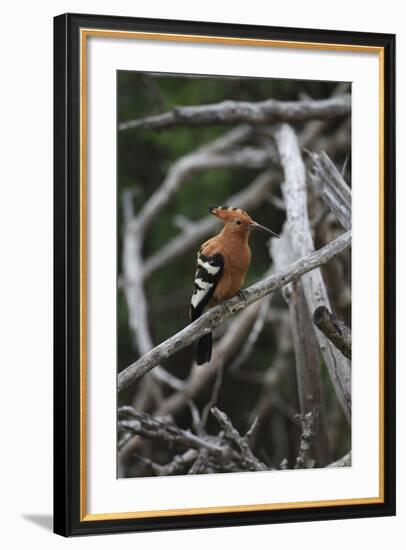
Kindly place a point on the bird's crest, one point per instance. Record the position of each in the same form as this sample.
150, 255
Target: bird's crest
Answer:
228, 213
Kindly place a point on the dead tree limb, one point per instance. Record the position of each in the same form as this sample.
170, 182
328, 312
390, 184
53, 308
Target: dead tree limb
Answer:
335, 330
134, 293
307, 356
217, 315
226, 451
232, 112
201, 465
219, 153
295, 194
151, 428
240, 442
304, 458
177, 465
332, 187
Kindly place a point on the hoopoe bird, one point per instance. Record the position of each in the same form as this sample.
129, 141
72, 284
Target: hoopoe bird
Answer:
222, 264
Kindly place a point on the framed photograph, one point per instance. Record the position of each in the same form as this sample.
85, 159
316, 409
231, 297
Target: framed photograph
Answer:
224, 253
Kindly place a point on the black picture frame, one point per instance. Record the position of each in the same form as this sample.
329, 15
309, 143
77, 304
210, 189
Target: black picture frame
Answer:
67, 382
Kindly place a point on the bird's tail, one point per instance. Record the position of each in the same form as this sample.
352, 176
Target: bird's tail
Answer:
203, 349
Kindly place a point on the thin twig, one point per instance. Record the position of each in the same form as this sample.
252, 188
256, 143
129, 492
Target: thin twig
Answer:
240, 442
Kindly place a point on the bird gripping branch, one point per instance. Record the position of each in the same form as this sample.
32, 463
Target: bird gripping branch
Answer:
222, 264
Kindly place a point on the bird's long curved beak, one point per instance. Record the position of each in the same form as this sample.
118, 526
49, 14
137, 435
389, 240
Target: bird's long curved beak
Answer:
256, 225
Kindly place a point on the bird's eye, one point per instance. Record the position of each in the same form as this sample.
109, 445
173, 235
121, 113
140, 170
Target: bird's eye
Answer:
238, 222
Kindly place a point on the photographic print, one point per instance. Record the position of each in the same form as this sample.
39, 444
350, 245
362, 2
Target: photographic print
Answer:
224, 201
219, 212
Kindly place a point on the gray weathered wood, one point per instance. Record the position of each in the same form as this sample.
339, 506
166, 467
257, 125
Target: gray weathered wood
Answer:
231, 112
295, 195
232, 434
307, 355
226, 451
335, 330
332, 187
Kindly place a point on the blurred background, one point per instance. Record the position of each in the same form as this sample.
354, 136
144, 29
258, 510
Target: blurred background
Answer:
256, 377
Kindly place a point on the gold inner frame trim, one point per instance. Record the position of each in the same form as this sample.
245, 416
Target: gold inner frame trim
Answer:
84, 34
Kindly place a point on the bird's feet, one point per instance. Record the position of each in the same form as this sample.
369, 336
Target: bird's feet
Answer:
243, 295
225, 306
229, 307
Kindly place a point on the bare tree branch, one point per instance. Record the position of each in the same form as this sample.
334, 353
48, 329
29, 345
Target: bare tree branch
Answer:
215, 316
152, 428
241, 443
295, 194
335, 330
231, 112
332, 187
176, 466
304, 459
219, 153
135, 295
227, 451
202, 464
307, 355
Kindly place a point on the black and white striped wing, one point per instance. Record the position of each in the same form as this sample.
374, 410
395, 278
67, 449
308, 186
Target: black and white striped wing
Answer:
208, 272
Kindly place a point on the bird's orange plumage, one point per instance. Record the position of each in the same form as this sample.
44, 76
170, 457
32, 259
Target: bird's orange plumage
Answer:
233, 246
222, 266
